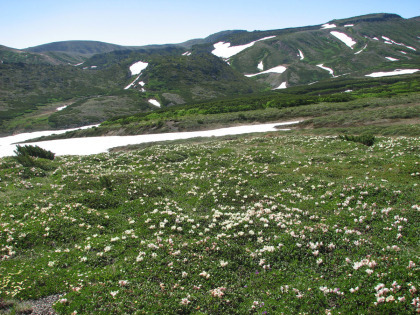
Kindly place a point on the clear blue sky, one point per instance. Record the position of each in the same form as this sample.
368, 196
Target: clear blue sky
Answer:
25, 23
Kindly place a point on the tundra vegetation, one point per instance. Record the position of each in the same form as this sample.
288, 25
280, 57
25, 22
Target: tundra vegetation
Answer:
273, 223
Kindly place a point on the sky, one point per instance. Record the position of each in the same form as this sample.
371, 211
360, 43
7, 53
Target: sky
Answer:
27, 23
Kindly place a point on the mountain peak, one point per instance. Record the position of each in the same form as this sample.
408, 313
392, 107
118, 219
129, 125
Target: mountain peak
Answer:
374, 17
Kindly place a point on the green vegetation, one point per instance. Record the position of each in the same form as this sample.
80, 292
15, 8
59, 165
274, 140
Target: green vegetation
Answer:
34, 151
379, 106
366, 139
272, 223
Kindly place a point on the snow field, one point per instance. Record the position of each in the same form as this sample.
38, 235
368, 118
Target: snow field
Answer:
224, 50
281, 86
95, 145
327, 26
278, 69
344, 38
392, 73
138, 67
154, 102
331, 71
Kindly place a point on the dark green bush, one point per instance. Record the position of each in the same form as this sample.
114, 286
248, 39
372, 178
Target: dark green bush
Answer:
34, 151
366, 139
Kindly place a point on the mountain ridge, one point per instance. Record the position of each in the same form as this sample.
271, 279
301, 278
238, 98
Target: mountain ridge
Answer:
223, 64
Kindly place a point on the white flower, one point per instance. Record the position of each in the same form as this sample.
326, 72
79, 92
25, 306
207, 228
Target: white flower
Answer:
223, 263
185, 301
114, 293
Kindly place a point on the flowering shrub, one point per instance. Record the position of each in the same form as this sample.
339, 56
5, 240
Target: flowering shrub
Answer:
266, 224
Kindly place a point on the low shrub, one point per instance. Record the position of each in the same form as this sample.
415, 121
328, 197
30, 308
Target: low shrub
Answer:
34, 151
366, 139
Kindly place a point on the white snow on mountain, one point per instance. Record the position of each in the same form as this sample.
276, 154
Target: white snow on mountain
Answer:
224, 50
278, 69
348, 25
187, 53
358, 52
390, 42
344, 38
403, 52
375, 38
301, 55
154, 102
331, 71
282, 86
260, 66
392, 73
391, 59
138, 67
326, 26
132, 83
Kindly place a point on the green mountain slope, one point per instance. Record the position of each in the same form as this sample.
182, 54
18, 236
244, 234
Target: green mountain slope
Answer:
301, 50
190, 72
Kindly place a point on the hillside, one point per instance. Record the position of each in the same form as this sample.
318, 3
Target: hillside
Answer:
223, 65
223, 226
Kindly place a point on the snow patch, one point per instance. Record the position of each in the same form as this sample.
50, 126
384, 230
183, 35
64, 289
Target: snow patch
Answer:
61, 108
79, 64
154, 102
356, 53
224, 50
278, 69
301, 55
132, 83
390, 42
281, 86
187, 53
392, 73
349, 25
327, 26
331, 71
391, 59
95, 145
138, 67
344, 38
348, 91
403, 52
261, 66
375, 38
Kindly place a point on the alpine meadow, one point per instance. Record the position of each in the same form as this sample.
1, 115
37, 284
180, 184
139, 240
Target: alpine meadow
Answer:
318, 216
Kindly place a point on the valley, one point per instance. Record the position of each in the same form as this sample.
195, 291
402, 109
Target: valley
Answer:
263, 172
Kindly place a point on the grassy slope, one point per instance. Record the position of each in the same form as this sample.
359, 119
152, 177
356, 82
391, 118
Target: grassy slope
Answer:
256, 224
387, 106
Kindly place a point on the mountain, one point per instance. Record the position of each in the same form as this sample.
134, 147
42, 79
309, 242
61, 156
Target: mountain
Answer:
351, 47
77, 46
87, 76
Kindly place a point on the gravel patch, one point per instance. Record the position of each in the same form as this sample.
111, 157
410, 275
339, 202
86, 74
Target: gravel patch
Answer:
44, 306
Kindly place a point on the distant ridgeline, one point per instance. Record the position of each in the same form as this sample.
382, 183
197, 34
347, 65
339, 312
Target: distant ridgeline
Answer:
98, 81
